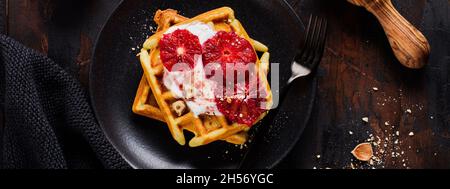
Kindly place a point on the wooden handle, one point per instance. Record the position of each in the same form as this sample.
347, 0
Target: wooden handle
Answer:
409, 45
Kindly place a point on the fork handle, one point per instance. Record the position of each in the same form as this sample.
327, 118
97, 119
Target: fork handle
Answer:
409, 45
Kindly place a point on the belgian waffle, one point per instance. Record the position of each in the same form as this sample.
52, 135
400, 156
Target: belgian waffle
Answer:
153, 100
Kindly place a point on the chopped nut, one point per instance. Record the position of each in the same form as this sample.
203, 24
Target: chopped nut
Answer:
375, 88
179, 107
365, 119
352, 166
363, 152
409, 111
386, 123
211, 24
411, 134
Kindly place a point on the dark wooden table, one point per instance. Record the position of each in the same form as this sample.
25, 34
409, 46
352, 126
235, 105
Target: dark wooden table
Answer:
409, 114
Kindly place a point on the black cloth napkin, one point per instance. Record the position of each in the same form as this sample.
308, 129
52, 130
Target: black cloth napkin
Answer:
48, 122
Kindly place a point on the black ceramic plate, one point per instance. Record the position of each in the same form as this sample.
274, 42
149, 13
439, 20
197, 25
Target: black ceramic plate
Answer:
146, 143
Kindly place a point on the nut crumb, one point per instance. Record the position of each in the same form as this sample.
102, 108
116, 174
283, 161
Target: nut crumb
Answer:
179, 107
375, 88
409, 111
365, 119
411, 134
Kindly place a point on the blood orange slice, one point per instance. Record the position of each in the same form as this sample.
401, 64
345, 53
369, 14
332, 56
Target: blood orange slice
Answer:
179, 46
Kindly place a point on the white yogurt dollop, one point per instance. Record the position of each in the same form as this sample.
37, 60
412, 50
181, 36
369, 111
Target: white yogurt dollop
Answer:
201, 30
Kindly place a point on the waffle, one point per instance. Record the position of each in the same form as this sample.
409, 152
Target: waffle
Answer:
153, 100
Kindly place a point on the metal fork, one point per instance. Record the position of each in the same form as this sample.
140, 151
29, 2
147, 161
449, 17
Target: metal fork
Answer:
304, 62
311, 53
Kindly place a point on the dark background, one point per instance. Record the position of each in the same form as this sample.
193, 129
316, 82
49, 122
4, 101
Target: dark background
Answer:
357, 59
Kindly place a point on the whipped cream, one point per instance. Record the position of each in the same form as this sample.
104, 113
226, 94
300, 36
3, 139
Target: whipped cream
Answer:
201, 30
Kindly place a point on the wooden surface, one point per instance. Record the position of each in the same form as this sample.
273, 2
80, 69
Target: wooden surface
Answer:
408, 44
358, 59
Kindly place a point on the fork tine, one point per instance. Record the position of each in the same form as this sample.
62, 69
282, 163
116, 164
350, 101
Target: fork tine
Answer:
310, 32
308, 40
319, 34
308, 58
321, 43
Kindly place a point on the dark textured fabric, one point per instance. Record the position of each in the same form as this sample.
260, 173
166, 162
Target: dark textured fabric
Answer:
2, 16
48, 122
